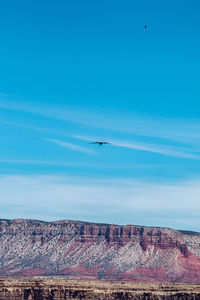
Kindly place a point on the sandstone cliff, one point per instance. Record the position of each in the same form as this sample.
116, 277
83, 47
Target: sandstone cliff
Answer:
98, 251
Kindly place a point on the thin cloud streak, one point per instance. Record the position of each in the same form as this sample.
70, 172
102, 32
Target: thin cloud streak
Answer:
180, 130
51, 111
164, 150
171, 151
70, 146
25, 126
189, 133
119, 166
36, 162
160, 149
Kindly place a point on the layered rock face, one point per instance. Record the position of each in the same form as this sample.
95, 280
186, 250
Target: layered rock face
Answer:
98, 251
59, 289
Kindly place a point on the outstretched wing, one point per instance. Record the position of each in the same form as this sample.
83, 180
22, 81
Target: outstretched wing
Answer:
101, 143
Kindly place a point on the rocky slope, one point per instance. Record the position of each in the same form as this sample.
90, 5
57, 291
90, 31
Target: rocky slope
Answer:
98, 251
59, 289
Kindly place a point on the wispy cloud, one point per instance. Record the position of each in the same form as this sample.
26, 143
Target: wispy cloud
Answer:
180, 130
38, 162
164, 150
59, 112
100, 165
25, 126
160, 149
154, 148
155, 132
124, 201
70, 146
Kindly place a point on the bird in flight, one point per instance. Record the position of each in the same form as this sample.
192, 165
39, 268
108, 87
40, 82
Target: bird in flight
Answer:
101, 143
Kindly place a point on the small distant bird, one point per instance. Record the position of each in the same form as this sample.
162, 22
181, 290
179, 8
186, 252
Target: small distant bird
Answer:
145, 26
101, 143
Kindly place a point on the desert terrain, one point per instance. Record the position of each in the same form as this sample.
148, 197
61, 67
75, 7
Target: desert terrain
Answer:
60, 289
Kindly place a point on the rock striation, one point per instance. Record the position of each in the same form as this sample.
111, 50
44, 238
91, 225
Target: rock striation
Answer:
84, 250
60, 289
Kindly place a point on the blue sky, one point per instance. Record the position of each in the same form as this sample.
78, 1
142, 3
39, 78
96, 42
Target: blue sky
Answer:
77, 71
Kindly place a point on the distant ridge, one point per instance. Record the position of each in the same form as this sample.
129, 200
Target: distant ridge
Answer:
188, 232
84, 250
69, 221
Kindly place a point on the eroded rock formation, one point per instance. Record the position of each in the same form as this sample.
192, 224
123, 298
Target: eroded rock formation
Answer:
60, 289
98, 251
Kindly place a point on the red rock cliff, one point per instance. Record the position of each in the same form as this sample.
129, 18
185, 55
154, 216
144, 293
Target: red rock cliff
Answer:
85, 250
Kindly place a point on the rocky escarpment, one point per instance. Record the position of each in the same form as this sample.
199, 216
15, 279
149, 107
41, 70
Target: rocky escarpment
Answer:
98, 251
60, 289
